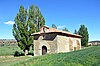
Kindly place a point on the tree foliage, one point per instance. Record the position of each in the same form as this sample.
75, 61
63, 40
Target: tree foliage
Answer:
54, 26
65, 29
26, 23
85, 36
75, 32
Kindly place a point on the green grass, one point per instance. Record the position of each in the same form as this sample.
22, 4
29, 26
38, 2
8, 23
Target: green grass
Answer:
7, 55
85, 57
9, 50
8, 61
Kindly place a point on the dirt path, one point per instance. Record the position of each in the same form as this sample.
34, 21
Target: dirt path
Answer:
6, 56
12, 58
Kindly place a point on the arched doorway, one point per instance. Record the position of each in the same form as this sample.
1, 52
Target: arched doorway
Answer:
44, 50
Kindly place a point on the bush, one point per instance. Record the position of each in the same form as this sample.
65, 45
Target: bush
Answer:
17, 53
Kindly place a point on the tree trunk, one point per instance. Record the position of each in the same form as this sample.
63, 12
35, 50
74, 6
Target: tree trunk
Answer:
26, 52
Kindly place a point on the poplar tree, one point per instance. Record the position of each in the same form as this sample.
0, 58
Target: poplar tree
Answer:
26, 23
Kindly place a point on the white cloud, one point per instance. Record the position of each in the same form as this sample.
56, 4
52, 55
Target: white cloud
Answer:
60, 27
9, 22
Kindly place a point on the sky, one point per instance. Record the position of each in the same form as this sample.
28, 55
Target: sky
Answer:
63, 13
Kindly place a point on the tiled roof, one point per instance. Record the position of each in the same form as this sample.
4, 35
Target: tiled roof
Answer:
53, 30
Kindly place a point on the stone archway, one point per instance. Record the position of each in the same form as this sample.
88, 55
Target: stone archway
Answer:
44, 50
43, 43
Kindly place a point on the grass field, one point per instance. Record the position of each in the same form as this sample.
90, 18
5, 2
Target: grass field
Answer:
7, 55
9, 50
8, 61
85, 57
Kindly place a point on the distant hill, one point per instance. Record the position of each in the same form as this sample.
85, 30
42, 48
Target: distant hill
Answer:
7, 42
85, 57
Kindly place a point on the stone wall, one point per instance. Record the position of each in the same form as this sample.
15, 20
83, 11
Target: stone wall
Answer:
62, 44
74, 43
48, 40
55, 43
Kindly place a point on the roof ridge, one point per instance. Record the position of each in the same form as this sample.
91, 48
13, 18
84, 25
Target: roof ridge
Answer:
51, 30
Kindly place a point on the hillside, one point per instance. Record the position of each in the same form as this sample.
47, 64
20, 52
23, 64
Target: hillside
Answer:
85, 57
7, 42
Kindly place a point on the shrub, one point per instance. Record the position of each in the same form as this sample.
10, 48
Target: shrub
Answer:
17, 53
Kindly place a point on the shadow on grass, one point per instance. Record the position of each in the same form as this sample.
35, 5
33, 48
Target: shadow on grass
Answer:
17, 54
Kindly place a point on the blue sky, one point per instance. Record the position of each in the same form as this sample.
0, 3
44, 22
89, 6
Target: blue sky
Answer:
64, 13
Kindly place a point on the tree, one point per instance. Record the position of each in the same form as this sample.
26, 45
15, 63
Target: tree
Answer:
54, 26
38, 18
85, 36
65, 29
26, 23
75, 32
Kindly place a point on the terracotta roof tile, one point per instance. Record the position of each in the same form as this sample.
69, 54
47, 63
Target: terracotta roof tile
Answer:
50, 30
